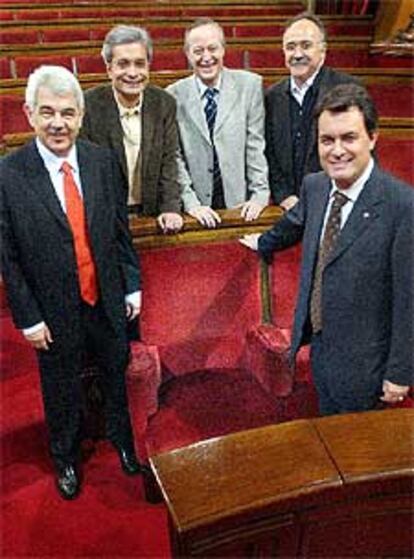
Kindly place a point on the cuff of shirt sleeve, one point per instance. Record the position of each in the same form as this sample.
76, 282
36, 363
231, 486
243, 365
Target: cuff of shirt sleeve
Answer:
134, 299
33, 329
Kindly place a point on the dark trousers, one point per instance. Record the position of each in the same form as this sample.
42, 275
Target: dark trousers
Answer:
60, 370
320, 372
334, 398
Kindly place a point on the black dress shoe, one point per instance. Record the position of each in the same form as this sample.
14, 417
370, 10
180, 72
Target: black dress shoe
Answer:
68, 482
129, 462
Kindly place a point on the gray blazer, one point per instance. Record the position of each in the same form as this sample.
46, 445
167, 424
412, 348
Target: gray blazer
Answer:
238, 137
367, 302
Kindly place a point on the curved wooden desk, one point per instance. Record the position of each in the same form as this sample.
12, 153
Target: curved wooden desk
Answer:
339, 486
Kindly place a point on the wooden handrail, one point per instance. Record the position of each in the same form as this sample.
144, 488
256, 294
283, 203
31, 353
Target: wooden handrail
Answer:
295, 488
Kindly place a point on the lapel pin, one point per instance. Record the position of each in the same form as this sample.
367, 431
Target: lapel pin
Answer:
366, 215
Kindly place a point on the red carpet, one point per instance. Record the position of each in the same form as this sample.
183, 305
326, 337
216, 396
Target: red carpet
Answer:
110, 518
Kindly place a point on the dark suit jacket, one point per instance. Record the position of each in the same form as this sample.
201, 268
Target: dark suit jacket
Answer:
367, 305
279, 142
102, 125
38, 260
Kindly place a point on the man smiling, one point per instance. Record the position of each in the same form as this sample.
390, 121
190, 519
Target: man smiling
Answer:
220, 117
290, 137
137, 121
355, 302
69, 267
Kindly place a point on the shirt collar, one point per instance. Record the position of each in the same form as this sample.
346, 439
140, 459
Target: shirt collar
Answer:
301, 90
53, 162
356, 188
128, 111
202, 87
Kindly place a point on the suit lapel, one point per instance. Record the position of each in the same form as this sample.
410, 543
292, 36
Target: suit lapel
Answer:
316, 215
88, 174
39, 181
227, 100
283, 127
362, 216
195, 108
149, 112
110, 116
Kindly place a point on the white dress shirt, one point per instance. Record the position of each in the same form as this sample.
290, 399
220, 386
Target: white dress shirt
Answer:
53, 164
299, 92
352, 193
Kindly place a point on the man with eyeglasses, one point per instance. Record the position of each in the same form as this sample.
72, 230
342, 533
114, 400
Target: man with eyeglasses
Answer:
291, 148
220, 114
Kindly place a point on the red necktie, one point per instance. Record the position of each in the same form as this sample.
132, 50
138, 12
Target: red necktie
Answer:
75, 213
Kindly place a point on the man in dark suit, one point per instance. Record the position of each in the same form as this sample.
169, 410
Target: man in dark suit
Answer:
70, 270
137, 121
355, 303
291, 148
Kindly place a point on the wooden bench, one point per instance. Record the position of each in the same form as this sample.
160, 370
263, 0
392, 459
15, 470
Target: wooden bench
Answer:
165, 27
339, 486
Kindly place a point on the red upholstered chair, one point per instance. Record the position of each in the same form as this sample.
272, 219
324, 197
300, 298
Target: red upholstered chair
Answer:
6, 15
268, 360
268, 345
265, 58
171, 59
99, 33
395, 155
388, 103
5, 68
166, 32
63, 35
13, 119
19, 37
144, 379
34, 15
257, 30
235, 58
89, 64
26, 64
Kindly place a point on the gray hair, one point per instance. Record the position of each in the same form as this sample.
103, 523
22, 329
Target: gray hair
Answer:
58, 80
124, 35
310, 17
201, 22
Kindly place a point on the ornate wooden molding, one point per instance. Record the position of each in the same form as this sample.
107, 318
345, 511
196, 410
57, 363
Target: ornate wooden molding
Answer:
401, 44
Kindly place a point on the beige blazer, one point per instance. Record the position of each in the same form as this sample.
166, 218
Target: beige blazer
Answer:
238, 137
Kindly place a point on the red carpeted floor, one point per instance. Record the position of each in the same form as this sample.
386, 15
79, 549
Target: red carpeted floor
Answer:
110, 518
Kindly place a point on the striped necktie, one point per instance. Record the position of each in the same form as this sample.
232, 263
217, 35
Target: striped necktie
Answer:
210, 110
330, 237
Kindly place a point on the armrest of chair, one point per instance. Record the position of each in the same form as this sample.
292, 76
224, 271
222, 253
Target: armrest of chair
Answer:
143, 379
267, 359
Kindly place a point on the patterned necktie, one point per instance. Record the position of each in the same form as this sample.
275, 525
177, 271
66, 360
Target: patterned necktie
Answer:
75, 212
332, 230
210, 110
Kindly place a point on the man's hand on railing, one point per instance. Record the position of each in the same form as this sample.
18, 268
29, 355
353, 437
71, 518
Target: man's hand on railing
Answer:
289, 202
251, 210
205, 215
250, 241
170, 222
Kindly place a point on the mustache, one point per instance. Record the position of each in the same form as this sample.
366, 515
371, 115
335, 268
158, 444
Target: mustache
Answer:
299, 61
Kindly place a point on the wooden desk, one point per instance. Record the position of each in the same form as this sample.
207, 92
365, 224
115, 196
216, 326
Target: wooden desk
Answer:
328, 487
